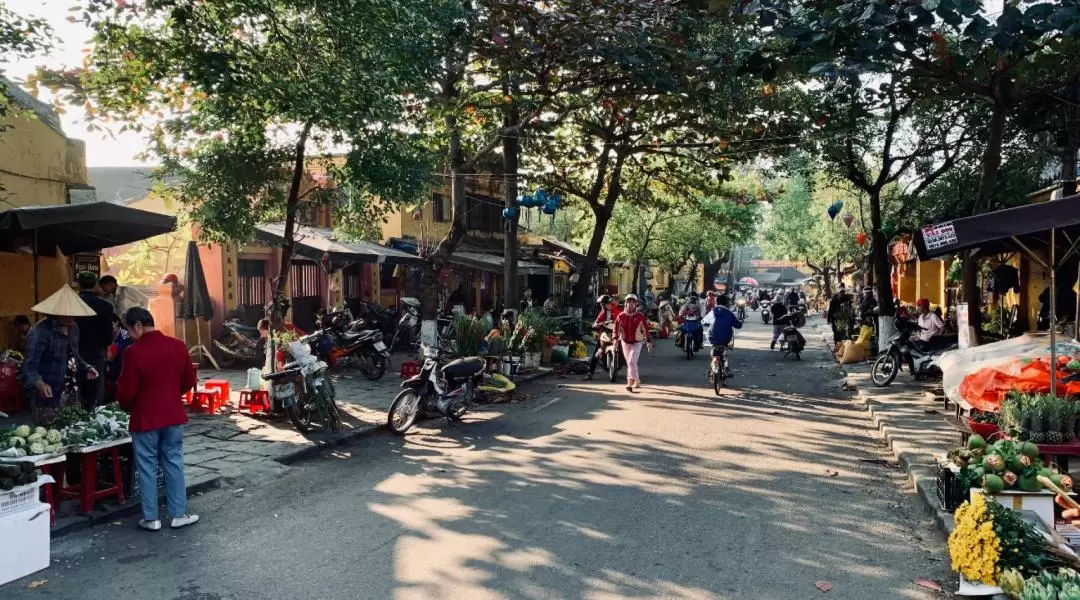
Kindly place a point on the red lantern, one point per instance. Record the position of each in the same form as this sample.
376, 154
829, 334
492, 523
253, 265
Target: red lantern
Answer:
860, 238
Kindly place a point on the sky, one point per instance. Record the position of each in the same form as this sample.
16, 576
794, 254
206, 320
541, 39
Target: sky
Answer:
101, 149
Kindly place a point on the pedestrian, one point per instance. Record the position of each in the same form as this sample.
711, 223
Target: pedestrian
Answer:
526, 299
836, 306
650, 298
53, 364
122, 297
632, 332
95, 337
551, 307
121, 341
157, 372
778, 311
20, 328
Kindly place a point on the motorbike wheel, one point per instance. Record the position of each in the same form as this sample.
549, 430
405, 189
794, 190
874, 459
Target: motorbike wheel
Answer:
374, 366
462, 409
403, 412
300, 415
885, 369
613, 367
688, 346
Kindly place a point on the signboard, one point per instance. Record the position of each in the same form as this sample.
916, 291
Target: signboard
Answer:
85, 262
560, 266
938, 236
963, 330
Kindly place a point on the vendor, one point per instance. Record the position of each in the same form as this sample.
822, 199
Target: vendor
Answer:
930, 323
53, 364
20, 328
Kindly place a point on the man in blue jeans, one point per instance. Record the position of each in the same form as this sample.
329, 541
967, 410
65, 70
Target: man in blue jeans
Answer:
157, 371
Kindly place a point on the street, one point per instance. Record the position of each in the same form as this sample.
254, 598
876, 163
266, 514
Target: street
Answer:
583, 491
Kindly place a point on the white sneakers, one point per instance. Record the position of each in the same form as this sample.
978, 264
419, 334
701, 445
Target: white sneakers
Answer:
184, 521
176, 523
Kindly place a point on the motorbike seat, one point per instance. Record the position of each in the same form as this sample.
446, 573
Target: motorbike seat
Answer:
244, 328
352, 337
463, 368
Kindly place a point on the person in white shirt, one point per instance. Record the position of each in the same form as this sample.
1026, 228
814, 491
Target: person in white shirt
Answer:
929, 321
121, 297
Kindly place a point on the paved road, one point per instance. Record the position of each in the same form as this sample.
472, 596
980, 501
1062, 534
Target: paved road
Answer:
582, 492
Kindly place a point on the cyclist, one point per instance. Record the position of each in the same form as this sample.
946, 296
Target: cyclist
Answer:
723, 329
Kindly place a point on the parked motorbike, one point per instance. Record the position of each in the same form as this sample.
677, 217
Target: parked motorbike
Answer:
792, 343
364, 350
303, 388
237, 343
449, 389
691, 325
407, 329
921, 363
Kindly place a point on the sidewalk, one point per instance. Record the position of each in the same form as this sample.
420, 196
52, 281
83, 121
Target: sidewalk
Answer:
237, 450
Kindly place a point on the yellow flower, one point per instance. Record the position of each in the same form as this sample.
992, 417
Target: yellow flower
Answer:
973, 546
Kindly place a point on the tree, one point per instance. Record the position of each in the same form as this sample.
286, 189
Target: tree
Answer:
20, 37
239, 95
1021, 61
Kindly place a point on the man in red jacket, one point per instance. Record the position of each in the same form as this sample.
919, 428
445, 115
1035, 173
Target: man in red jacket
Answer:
156, 372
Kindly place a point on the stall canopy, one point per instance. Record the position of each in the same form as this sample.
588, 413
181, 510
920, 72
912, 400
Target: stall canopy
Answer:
74, 228
1024, 229
494, 262
314, 242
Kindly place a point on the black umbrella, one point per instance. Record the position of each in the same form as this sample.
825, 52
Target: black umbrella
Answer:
195, 304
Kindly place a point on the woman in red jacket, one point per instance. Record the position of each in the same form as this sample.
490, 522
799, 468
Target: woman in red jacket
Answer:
632, 331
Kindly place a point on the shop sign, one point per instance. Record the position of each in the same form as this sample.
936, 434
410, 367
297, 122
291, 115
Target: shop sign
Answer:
86, 262
939, 236
963, 330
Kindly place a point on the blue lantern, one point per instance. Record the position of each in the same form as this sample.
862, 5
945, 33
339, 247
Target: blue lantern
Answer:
549, 208
541, 197
510, 212
527, 201
556, 200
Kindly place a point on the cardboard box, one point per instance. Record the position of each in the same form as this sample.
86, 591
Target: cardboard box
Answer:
26, 542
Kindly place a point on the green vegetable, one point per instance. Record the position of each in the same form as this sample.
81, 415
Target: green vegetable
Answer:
17, 442
35, 437
37, 448
53, 436
22, 431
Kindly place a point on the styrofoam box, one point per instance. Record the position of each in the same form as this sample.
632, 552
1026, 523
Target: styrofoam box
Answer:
1042, 503
26, 542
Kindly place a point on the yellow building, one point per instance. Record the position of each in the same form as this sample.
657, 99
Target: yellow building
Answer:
39, 166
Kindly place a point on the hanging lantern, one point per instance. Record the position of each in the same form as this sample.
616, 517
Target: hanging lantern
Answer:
527, 201
510, 212
848, 218
860, 239
556, 200
549, 207
541, 198
835, 209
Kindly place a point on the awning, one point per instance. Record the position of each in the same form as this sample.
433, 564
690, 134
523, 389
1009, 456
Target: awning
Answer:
494, 262
1023, 228
314, 242
74, 228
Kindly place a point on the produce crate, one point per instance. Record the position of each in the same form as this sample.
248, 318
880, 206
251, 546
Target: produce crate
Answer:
22, 497
950, 495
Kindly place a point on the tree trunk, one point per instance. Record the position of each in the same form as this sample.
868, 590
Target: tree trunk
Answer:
691, 279
880, 258
279, 304
580, 295
709, 271
510, 181
637, 276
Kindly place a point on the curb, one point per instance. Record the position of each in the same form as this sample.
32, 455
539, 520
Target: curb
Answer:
212, 483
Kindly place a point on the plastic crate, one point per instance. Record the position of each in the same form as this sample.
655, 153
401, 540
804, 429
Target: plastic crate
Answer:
950, 495
19, 498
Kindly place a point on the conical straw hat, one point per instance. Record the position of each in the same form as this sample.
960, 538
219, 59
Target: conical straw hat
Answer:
64, 303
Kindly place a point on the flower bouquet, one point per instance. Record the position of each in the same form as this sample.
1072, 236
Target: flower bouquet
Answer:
990, 540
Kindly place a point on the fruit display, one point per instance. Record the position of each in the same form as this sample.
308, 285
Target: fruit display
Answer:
1004, 465
105, 423
16, 442
1041, 418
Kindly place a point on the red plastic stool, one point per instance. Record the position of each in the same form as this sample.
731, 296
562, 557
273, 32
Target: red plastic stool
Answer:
410, 368
254, 401
86, 491
222, 388
203, 401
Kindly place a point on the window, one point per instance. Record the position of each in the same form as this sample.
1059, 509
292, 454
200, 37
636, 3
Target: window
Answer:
438, 203
305, 279
251, 281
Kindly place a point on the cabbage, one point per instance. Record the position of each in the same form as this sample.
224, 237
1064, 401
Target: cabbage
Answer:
22, 431
40, 430
17, 442
35, 437
53, 436
37, 448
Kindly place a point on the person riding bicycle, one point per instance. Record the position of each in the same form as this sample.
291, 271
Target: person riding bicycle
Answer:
723, 328
692, 310
609, 309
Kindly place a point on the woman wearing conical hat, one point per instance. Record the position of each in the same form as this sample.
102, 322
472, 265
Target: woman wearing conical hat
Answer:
53, 365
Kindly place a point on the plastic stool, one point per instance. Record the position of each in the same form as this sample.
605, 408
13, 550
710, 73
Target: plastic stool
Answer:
86, 490
203, 401
254, 401
222, 388
410, 368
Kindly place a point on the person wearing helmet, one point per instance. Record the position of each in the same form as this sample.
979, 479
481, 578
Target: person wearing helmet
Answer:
778, 311
632, 332
692, 310
609, 310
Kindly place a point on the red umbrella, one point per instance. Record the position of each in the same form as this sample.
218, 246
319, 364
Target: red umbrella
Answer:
749, 281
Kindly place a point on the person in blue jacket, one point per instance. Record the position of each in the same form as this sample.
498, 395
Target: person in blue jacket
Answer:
723, 328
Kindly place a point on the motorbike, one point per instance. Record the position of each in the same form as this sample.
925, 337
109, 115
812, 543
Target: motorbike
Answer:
612, 359
364, 350
740, 309
921, 363
449, 389
303, 388
792, 343
237, 343
407, 330
766, 314
690, 327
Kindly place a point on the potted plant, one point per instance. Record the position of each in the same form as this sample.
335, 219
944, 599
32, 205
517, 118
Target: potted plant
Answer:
983, 423
468, 335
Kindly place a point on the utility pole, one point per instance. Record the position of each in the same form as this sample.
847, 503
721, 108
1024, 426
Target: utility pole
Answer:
511, 145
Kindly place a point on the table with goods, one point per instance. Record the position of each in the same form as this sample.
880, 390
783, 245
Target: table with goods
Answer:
71, 451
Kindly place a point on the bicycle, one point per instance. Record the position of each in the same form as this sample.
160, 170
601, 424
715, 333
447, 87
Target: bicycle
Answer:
719, 368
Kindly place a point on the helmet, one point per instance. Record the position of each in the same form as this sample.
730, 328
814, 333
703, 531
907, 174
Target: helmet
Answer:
630, 297
605, 299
